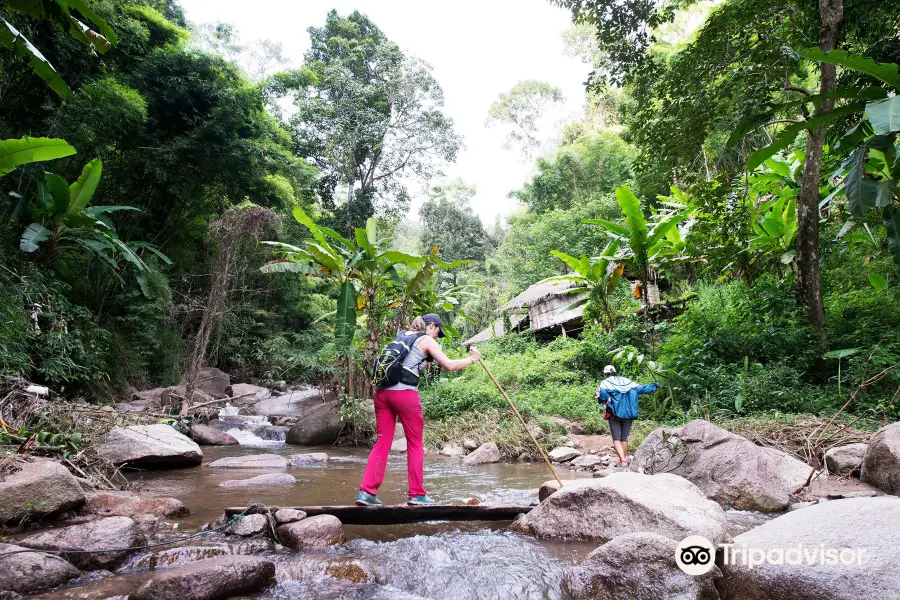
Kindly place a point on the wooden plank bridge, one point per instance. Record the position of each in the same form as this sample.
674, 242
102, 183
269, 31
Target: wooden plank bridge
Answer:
402, 513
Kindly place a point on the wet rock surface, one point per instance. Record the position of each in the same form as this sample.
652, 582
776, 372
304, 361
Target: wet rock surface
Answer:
26, 572
320, 531
211, 579
41, 488
125, 504
251, 461
210, 436
149, 447
486, 453
88, 539
261, 480
318, 425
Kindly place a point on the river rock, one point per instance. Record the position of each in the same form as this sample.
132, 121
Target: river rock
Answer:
212, 579
172, 396
102, 534
251, 461
549, 487
210, 436
31, 572
729, 468
261, 480
601, 509
320, 425
124, 504
283, 516
245, 393
637, 566
587, 461
272, 433
470, 444
149, 447
351, 569
212, 381
563, 454
486, 453
845, 460
320, 531
306, 459
399, 446
869, 524
41, 488
452, 450
793, 471
249, 525
881, 465
292, 404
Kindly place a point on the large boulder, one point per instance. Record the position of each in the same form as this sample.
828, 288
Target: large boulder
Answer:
866, 525
549, 487
149, 447
319, 425
26, 572
321, 531
251, 461
89, 539
283, 516
210, 436
845, 460
269, 479
245, 393
563, 454
212, 579
486, 453
273, 433
307, 459
212, 381
124, 504
452, 450
793, 471
881, 465
174, 396
601, 509
637, 566
729, 468
41, 488
292, 404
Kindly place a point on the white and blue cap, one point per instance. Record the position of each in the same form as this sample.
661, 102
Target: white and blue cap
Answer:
435, 320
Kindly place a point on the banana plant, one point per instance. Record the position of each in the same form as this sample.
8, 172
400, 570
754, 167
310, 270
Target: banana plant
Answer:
58, 13
772, 199
597, 277
63, 227
647, 245
14, 153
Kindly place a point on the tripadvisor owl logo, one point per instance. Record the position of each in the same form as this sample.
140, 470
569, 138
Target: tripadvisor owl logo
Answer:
695, 555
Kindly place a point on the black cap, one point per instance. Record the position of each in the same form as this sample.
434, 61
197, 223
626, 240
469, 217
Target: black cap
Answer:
433, 318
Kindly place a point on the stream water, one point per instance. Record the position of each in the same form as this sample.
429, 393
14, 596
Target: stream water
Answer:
436, 561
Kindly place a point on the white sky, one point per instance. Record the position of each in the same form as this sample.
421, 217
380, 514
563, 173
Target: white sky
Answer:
478, 48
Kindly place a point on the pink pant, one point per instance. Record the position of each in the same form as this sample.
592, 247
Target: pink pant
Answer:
389, 406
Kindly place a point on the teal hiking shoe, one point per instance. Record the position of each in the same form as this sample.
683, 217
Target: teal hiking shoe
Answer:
420, 500
366, 499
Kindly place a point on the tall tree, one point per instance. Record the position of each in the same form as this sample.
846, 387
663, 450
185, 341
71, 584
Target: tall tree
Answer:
520, 108
450, 224
373, 121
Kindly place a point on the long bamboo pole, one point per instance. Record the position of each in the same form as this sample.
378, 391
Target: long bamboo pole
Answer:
521, 420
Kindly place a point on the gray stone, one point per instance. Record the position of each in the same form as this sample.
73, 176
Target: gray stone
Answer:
251, 461
845, 460
32, 572
881, 465
470, 444
486, 453
869, 524
563, 454
102, 534
210, 436
212, 381
249, 525
321, 531
309, 458
41, 488
283, 516
549, 487
452, 450
587, 461
793, 471
149, 447
173, 396
729, 468
256, 394
274, 433
319, 425
269, 479
126, 504
399, 446
293, 404
601, 509
637, 566
212, 579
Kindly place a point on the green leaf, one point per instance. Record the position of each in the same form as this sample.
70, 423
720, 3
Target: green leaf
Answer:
784, 139
287, 266
861, 191
345, 324
634, 217
144, 285
571, 261
153, 249
877, 281
844, 353
307, 222
33, 236
402, 258
614, 228
28, 150
780, 168
335, 235
11, 38
82, 7
81, 192
884, 115
59, 191
886, 72
892, 223
371, 230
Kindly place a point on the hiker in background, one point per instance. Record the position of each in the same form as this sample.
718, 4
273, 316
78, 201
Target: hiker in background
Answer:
396, 373
619, 396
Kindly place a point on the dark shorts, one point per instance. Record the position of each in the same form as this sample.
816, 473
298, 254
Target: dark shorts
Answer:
620, 428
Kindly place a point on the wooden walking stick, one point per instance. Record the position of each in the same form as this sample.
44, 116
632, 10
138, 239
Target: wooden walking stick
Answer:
521, 420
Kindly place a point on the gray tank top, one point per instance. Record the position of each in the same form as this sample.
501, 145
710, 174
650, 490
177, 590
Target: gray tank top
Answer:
414, 361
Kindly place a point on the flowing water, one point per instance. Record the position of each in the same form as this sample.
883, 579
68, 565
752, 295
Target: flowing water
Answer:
436, 561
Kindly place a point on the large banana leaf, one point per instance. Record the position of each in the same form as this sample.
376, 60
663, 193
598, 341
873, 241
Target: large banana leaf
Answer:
886, 72
33, 236
637, 225
81, 192
153, 249
614, 229
307, 222
59, 191
884, 115
28, 150
575, 264
614, 278
335, 235
287, 266
12, 39
861, 190
345, 323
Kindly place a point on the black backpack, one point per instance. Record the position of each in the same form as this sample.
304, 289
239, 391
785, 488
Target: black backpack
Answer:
388, 367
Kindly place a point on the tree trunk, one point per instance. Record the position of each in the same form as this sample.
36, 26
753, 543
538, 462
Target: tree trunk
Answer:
809, 284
